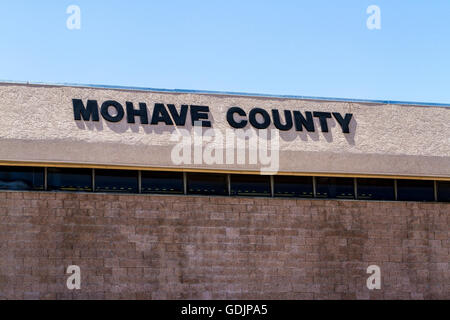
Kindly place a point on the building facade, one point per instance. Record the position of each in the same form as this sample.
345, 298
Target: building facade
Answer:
160, 194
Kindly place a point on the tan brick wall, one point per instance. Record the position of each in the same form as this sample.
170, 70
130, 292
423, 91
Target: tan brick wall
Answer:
157, 247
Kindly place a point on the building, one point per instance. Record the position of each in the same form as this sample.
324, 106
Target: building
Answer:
175, 194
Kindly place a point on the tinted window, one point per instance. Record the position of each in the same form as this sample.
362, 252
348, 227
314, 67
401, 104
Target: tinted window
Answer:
21, 178
341, 188
415, 190
293, 186
376, 189
251, 185
116, 181
205, 183
443, 188
162, 182
69, 179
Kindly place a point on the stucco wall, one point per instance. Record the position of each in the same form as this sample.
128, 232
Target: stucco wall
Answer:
157, 247
37, 124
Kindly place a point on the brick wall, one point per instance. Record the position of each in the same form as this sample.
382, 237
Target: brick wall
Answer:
158, 247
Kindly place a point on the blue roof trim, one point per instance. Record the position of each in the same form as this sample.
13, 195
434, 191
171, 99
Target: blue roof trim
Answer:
245, 94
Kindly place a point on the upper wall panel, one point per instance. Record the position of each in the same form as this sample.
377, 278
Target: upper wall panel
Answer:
38, 124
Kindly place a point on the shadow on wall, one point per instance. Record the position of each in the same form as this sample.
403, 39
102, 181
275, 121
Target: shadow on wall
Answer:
162, 128
333, 129
123, 126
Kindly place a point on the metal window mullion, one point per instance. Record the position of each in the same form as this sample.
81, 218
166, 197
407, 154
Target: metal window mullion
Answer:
272, 186
395, 190
355, 187
185, 182
435, 191
139, 181
229, 184
93, 180
314, 187
45, 179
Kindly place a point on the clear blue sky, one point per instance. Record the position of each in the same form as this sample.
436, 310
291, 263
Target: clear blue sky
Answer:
314, 48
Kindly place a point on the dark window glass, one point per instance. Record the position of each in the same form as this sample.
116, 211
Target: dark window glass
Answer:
340, 188
293, 186
162, 182
69, 179
205, 183
376, 189
21, 178
415, 190
116, 181
250, 185
443, 188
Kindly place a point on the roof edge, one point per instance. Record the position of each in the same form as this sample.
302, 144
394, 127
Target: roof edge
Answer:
230, 93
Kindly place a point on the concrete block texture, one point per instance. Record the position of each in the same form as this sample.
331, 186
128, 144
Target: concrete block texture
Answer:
187, 247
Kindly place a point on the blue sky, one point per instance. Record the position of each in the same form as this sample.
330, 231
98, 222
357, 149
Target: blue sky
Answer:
312, 48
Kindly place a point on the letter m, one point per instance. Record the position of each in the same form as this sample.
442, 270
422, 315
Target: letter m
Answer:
88, 112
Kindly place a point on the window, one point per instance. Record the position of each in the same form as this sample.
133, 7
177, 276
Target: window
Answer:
116, 181
415, 190
340, 188
443, 189
376, 189
162, 182
286, 186
250, 185
69, 179
21, 178
168, 182
207, 184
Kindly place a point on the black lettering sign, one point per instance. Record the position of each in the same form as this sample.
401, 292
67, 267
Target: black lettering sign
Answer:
230, 117
132, 113
88, 112
179, 118
236, 117
301, 121
323, 116
199, 113
160, 114
277, 122
254, 122
343, 122
105, 111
